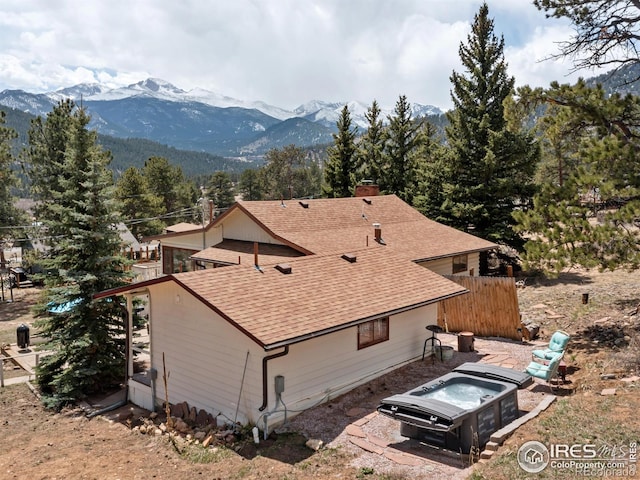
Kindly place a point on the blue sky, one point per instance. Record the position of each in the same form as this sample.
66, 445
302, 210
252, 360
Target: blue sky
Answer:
284, 52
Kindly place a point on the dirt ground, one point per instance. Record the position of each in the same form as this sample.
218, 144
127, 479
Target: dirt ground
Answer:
38, 444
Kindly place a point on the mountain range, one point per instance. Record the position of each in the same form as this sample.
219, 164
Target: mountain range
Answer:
199, 120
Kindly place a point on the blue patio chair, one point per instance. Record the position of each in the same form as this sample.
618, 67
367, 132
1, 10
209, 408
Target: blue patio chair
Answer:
546, 371
557, 346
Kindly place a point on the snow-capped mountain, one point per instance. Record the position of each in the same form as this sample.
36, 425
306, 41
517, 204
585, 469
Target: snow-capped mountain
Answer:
198, 119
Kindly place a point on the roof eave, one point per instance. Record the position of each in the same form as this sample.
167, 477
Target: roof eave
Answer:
344, 326
453, 254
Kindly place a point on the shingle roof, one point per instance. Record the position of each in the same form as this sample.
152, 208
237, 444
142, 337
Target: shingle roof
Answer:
238, 251
339, 224
322, 294
183, 227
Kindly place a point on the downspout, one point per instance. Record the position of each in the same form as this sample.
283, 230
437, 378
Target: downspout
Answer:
265, 387
129, 346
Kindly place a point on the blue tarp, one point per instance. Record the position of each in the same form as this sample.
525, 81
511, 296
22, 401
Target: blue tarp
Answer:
63, 307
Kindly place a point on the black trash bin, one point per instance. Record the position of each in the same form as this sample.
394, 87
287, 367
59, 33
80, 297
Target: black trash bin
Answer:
23, 336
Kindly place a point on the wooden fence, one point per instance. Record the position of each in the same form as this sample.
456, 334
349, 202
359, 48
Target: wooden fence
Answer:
490, 309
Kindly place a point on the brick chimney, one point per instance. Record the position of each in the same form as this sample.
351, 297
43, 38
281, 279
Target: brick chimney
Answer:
367, 189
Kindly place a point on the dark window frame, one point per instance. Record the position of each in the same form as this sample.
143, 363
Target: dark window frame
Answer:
460, 263
169, 265
377, 335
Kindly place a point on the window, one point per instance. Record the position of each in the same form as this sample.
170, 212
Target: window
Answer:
373, 332
460, 263
176, 260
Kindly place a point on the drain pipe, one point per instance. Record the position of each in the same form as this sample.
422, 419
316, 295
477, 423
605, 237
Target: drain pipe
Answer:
265, 386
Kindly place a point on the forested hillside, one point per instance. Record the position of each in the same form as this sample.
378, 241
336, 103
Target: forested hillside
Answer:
133, 152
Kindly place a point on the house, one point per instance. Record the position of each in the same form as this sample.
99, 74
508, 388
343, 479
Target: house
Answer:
313, 227
315, 298
323, 324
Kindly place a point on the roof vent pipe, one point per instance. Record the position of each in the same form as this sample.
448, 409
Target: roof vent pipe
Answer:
377, 231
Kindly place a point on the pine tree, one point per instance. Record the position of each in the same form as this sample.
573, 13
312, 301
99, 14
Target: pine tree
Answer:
168, 182
340, 168
287, 174
44, 157
371, 146
401, 162
9, 214
605, 31
491, 166
220, 190
140, 208
430, 196
250, 185
590, 219
86, 337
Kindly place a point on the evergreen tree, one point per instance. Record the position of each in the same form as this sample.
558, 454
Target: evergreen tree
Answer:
371, 146
250, 186
590, 218
606, 31
44, 158
9, 214
140, 208
340, 168
430, 196
491, 166
401, 163
287, 174
86, 337
168, 182
220, 190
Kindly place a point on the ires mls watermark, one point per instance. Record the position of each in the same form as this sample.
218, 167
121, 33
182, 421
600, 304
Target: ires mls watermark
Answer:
588, 460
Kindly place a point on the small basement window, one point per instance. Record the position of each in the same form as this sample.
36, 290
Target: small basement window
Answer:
375, 331
460, 263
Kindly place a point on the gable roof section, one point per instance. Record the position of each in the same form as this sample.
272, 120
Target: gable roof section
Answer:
320, 295
340, 224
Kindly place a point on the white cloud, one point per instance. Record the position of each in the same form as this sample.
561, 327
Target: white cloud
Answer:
285, 52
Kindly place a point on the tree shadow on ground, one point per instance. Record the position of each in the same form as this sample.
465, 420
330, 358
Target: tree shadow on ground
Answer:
565, 278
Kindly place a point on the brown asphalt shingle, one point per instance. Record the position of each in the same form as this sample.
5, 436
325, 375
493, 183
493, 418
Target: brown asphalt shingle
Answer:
321, 293
339, 224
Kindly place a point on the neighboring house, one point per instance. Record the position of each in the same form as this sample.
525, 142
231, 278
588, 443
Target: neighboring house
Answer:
318, 326
315, 298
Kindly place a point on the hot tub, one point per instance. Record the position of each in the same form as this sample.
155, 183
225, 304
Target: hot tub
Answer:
460, 409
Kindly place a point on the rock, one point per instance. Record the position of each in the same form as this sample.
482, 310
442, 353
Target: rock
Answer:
157, 432
608, 376
202, 418
314, 444
181, 426
143, 429
608, 391
199, 436
176, 410
193, 414
153, 415
207, 441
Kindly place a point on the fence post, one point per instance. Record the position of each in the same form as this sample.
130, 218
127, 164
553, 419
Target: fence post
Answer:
2, 372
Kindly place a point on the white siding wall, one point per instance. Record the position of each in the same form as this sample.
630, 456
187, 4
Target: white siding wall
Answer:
444, 266
193, 241
237, 226
205, 359
205, 356
325, 367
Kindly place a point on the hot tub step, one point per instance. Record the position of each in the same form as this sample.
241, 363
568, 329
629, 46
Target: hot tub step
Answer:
492, 446
486, 454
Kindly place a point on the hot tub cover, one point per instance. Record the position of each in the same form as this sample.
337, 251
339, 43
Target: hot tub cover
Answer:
495, 372
423, 412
